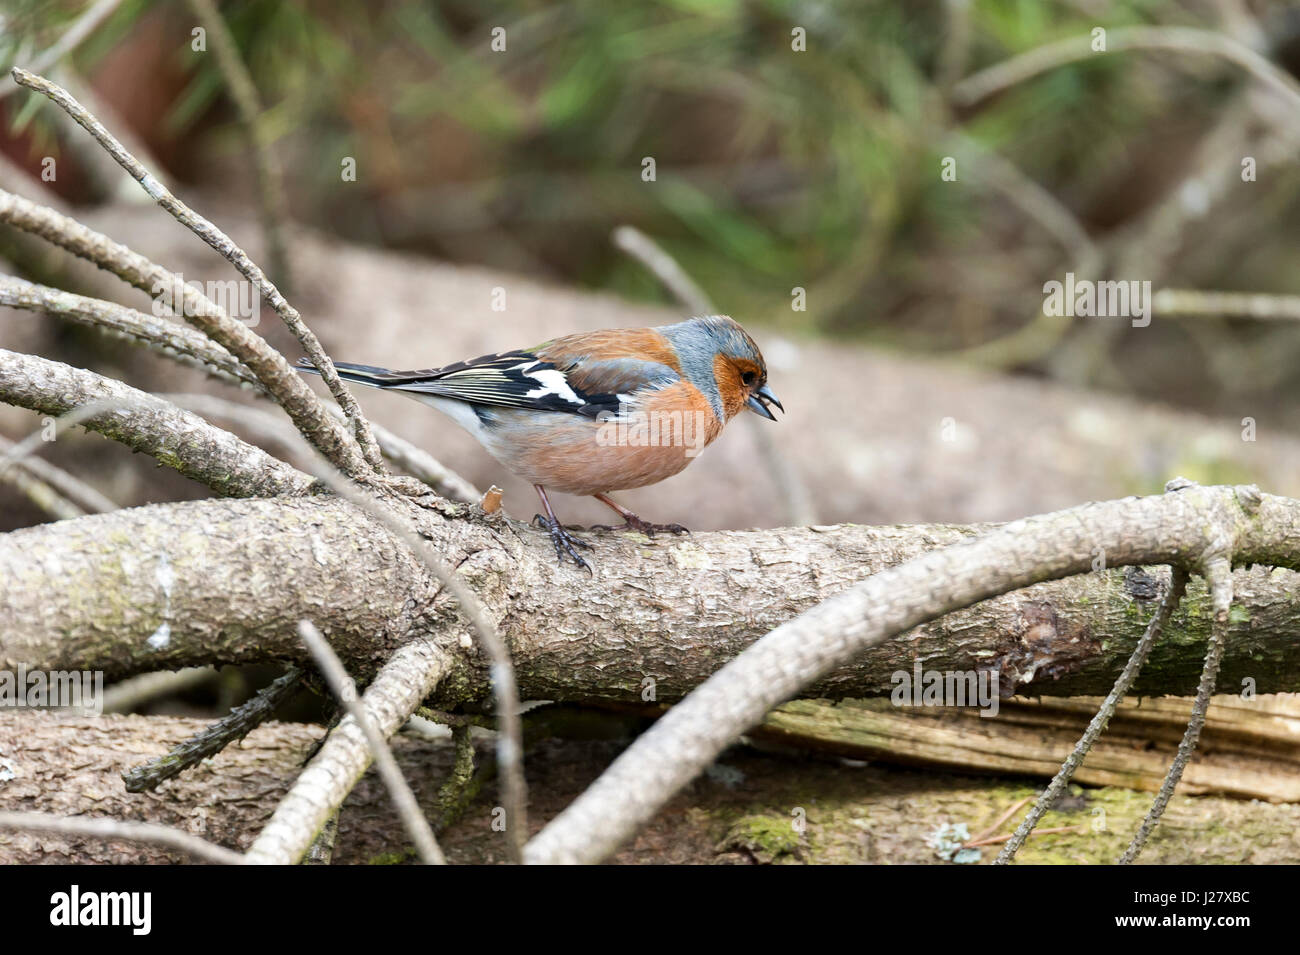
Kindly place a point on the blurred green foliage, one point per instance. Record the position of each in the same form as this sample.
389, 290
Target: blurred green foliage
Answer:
776, 168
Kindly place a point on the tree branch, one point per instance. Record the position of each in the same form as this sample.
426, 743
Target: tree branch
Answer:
510, 740
191, 347
114, 829
176, 438
25, 479
423, 465
396, 691
246, 571
284, 384
1218, 571
224, 246
417, 826
179, 342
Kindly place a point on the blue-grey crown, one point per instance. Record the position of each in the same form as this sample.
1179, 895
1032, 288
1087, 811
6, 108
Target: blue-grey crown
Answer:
698, 340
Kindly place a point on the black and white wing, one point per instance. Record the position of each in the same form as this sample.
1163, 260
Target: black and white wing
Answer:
515, 379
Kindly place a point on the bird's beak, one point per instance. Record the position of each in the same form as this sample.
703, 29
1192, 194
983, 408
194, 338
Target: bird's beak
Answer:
760, 400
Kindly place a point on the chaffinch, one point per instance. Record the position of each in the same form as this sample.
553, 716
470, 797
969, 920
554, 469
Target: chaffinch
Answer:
597, 411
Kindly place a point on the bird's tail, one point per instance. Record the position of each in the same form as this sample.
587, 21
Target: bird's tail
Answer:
370, 375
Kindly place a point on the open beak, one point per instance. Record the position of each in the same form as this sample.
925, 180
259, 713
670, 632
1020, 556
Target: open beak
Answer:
761, 399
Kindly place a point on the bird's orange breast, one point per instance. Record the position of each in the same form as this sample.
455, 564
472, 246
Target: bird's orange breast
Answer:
656, 439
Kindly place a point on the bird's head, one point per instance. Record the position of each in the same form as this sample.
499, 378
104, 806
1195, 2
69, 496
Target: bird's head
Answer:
739, 369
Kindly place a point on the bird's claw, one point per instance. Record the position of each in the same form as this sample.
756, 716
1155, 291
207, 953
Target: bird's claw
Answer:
564, 542
634, 523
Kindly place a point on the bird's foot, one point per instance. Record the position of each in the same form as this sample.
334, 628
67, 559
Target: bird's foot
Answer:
634, 523
564, 541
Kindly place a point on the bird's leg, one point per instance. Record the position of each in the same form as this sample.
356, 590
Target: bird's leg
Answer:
563, 541
633, 523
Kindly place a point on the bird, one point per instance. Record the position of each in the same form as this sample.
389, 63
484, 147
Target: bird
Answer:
595, 412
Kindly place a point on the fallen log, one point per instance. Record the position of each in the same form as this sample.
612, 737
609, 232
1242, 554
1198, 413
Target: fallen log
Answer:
1249, 749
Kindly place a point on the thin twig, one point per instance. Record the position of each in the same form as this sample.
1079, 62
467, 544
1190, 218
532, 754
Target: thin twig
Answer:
146, 423
401, 452
955, 51
41, 494
1218, 574
70, 40
250, 417
459, 789
408, 807
1032, 199
17, 451
109, 183
1097, 726
224, 246
1036, 338
281, 381
76, 491
178, 342
790, 486
443, 718
266, 172
1017, 69
510, 741
802, 650
997, 823
423, 465
212, 739
664, 267
110, 829
1194, 303
194, 349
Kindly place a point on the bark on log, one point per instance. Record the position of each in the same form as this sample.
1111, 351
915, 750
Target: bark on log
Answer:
86, 594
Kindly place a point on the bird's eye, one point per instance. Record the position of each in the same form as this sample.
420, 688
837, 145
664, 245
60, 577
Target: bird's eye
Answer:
748, 378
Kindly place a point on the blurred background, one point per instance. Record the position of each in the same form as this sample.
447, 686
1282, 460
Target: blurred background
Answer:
796, 146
